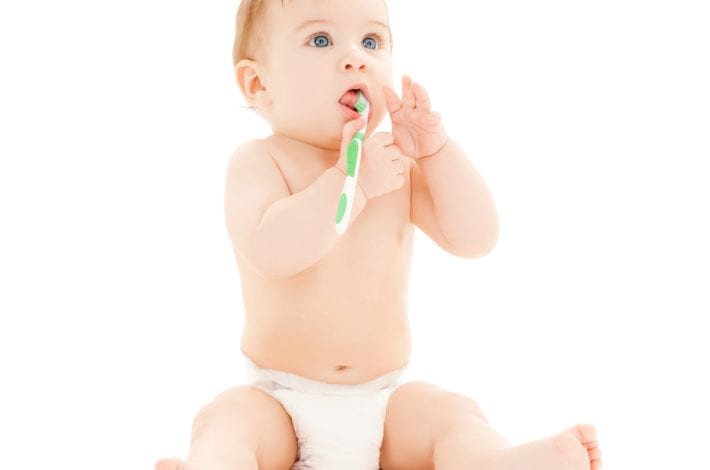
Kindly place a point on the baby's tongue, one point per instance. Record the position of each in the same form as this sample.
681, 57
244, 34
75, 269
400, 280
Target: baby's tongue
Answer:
349, 98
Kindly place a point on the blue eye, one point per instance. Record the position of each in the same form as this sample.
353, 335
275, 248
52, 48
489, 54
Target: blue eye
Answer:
320, 40
370, 40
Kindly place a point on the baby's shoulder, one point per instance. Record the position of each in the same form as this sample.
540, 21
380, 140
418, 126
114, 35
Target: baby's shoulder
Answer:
253, 162
250, 156
254, 150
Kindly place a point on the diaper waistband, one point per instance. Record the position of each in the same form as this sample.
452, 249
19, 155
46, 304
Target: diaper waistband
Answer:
271, 378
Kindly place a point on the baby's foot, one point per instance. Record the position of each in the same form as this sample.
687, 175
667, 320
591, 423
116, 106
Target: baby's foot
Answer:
574, 449
171, 464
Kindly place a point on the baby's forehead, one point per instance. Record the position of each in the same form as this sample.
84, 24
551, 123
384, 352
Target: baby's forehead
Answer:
287, 15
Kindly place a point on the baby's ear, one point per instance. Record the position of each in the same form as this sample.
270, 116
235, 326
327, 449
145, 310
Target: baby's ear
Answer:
250, 83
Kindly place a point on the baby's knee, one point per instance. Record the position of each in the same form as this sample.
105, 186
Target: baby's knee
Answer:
251, 420
233, 409
244, 410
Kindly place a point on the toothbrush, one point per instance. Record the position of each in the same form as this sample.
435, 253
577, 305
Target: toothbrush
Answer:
347, 196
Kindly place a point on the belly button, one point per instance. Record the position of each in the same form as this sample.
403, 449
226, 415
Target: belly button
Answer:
341, 368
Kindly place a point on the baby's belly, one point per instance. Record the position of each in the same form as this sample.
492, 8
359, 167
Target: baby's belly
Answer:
345, 321
348, 348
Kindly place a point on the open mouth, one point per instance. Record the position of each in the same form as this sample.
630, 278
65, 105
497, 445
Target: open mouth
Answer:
349, 98
348, 101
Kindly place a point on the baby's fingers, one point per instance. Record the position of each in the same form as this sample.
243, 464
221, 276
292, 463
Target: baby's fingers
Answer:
392, 101
408, 97
397, 181
351, 128
421, 96
398, 168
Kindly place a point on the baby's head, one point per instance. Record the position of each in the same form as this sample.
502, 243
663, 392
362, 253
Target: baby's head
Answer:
294, 60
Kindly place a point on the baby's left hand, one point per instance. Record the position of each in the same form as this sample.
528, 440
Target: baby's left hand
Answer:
416, 129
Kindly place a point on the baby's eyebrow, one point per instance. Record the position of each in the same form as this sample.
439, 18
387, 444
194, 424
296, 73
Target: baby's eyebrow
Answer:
315, 21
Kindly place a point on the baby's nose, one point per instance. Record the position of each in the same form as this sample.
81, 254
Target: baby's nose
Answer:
354, 61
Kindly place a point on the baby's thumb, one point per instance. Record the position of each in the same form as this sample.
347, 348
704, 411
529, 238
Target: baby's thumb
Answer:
350, 129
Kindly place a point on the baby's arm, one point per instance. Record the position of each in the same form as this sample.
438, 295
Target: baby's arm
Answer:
452, 204
277, 233
450, 200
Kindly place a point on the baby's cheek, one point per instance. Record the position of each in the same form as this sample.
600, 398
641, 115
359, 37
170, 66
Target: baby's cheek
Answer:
378, 115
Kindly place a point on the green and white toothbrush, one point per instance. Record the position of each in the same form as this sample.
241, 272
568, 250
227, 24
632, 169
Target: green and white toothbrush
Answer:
347, 196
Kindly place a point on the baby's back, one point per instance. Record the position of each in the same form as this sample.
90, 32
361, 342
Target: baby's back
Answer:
344, 318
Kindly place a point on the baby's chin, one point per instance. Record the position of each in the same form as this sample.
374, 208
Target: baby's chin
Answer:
327, 135
325, 132
320, 137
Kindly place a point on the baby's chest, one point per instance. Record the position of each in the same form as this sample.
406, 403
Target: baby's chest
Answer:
380, 234
385, 213
371, 254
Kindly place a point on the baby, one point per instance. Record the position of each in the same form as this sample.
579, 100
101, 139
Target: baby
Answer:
326, 338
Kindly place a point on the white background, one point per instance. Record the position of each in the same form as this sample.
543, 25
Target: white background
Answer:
119, 297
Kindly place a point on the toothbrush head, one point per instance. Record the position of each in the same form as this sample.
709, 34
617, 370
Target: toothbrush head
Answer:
362, 105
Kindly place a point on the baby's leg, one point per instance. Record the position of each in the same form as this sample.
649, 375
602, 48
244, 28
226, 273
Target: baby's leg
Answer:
574, 449
243, 428
427, 427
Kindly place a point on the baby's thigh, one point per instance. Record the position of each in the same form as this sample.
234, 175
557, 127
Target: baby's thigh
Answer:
245, 419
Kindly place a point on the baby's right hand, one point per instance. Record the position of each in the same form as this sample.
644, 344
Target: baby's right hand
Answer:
382, 166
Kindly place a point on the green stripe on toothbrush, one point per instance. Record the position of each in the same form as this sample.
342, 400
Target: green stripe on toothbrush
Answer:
341, 207
354, 152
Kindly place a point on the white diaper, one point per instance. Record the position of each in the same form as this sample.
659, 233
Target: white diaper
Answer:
339, 427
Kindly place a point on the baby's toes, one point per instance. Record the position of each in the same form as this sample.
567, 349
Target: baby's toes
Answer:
595, 464
587, 433
595, 455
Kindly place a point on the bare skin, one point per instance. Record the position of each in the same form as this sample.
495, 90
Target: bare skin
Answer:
344, 319
333, 308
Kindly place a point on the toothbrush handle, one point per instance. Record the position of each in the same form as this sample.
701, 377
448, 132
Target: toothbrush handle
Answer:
347, 195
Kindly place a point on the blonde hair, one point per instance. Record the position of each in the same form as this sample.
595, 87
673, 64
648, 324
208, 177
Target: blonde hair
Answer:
249, 28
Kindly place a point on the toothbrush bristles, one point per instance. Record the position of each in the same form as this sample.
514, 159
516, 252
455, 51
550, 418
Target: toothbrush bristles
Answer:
361, 104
